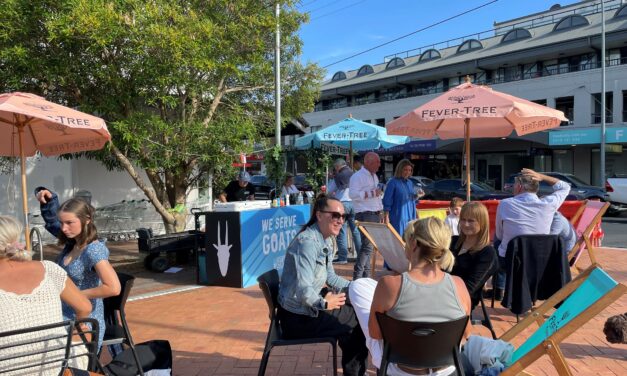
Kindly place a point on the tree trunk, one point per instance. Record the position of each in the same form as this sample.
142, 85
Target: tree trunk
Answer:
168, 218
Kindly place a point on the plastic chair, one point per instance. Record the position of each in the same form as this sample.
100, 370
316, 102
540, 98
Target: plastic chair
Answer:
581, 300
49, 347
269, 285
419, 344
117, 331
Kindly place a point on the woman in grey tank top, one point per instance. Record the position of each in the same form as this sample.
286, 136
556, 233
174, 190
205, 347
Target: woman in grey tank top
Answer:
423, 293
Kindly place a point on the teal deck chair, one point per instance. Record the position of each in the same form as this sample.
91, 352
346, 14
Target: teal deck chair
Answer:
582, 299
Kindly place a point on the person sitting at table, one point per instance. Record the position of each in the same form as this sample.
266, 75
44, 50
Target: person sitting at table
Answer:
476, 259
308, 309
239, 190
288, 186
424, 293
31, 293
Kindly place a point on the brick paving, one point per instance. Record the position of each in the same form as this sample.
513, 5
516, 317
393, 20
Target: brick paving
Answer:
221, 331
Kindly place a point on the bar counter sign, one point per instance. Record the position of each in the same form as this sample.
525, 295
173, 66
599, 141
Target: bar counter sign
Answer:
240, 246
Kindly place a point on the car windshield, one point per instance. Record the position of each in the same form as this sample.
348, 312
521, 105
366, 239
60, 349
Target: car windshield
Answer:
258, 179
574, 179
477, 186
299, 179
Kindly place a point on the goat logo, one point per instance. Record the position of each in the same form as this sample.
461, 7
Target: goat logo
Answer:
223, 250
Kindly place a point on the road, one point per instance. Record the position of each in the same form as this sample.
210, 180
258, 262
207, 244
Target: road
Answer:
615, 229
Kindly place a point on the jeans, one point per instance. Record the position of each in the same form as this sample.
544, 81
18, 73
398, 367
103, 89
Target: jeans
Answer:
342, 241
362, 266
501, 277
339, 323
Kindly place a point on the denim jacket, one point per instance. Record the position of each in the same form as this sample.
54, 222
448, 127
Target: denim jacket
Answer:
307, 267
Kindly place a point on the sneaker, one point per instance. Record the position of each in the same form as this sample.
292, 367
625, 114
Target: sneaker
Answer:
340, 262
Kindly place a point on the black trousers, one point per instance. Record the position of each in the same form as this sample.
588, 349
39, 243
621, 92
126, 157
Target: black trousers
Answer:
339, 323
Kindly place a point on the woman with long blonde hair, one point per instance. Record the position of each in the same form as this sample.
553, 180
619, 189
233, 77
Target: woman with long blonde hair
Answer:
426, 292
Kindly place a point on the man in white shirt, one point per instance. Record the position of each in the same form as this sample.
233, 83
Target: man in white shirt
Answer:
365, 193
526, 213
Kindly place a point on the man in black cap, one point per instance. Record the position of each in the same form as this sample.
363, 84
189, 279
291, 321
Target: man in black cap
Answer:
239, 190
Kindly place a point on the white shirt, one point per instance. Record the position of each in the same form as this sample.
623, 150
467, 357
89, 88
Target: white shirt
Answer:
452, 221
527, 214
288, 190
361, 190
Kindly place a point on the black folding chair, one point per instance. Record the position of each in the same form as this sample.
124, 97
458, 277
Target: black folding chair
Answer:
421, 345
48, 348
117, 331
269, 284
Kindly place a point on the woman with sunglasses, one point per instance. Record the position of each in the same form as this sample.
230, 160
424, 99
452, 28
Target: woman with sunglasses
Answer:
306, 307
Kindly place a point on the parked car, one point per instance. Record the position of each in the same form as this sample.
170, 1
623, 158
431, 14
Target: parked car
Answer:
421, 181
446, 189
265, 189
300, 181
579, 190
616, 188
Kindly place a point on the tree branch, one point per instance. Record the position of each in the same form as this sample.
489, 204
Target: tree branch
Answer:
215, 103
150, 193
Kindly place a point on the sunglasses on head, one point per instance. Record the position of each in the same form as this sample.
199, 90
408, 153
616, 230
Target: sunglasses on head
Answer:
336, 215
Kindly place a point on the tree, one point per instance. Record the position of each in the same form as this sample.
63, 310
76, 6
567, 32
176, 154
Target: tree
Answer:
183, 85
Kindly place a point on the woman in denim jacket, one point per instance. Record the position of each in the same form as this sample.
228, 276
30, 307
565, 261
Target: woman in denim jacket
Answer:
306, 307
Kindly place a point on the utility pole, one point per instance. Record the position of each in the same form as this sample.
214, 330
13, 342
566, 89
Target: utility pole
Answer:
603, 104
277, 75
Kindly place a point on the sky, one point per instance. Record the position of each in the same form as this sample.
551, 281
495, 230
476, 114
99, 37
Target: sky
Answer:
340, 28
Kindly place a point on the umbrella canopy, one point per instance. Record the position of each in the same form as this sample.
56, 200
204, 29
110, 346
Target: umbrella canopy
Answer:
29, 123
473, 111
351, 133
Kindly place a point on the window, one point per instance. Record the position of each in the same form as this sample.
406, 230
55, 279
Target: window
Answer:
567, 106
516, 34
622, 12
539, 101
569, 22
430, 55
338, 76
624, 106
380, 122
395, 63
366, 69
469, 45
596, 104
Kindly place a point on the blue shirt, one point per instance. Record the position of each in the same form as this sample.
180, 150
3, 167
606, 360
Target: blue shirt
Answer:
566, 232
399, 200
527, 214
307, 267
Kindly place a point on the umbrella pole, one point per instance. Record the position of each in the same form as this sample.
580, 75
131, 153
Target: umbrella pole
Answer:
20, 130
350, 153
467, 147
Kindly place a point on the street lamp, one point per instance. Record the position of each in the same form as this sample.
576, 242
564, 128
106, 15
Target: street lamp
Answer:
603, 104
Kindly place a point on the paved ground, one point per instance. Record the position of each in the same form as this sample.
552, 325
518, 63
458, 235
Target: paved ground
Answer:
614, 228
221, 331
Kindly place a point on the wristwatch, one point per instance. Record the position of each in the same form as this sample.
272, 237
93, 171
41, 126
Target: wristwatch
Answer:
326, 304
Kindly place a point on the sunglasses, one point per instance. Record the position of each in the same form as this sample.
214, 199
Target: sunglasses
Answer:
336, 215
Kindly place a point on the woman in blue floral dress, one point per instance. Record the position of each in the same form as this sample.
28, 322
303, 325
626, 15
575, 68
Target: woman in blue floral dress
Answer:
399, 198
84, 257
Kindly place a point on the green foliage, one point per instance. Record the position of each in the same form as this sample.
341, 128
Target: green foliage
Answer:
318, 163
183, 85
275, 165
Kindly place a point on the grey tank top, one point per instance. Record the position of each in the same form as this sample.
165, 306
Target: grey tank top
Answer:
433, 302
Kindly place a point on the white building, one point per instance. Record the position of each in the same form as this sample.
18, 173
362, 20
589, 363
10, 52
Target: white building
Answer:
551, 57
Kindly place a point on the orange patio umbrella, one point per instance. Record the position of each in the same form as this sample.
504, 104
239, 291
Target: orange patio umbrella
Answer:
473, 111
29, 123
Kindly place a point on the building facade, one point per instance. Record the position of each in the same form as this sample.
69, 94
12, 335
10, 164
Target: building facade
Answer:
552, 58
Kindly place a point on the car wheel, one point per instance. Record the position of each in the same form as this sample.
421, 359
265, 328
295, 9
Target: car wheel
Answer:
612, 211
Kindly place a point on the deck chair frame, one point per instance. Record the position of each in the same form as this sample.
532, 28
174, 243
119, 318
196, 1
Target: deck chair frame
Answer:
573, 254
364, 231
550, 346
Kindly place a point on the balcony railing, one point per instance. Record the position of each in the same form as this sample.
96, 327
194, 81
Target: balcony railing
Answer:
545, 72
596, 118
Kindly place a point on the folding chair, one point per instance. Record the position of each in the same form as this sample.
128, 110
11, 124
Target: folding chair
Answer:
585, 220
581, 300
419, 344
269, 284
48, 348
117, 331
